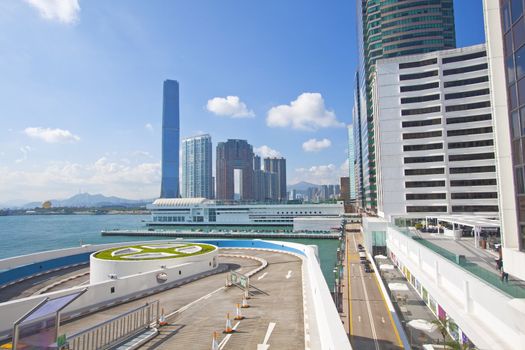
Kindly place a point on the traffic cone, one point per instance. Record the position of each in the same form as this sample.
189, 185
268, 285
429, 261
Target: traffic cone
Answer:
244, 304
228, 329
215, 342
238, 315
162, 319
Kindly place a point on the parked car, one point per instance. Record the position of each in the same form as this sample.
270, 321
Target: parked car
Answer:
368, 268
360, 246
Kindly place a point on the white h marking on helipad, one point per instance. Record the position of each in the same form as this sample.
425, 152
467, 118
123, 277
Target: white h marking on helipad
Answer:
289, 274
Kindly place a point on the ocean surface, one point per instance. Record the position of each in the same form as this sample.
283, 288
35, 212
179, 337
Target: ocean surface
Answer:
27, 234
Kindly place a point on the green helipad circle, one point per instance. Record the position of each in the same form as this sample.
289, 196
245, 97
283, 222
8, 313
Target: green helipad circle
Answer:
155, 251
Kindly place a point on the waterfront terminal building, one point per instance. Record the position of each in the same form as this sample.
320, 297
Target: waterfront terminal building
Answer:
203, 212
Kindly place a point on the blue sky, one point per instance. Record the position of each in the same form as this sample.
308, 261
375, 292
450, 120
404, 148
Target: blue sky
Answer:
81, 86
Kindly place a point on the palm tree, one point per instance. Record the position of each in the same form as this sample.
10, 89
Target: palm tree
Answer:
442, 327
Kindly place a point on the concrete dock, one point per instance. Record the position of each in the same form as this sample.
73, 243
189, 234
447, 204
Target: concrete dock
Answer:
210, 234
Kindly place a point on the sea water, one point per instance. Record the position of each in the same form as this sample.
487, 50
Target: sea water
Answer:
27, 234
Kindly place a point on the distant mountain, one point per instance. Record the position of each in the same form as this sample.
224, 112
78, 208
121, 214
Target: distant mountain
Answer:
301, 186
83, 200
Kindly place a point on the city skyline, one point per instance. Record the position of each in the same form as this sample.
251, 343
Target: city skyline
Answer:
56, 145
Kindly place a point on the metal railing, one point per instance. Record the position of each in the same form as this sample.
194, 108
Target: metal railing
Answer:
116, 330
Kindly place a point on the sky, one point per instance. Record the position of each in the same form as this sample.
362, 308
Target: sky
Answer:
81, 87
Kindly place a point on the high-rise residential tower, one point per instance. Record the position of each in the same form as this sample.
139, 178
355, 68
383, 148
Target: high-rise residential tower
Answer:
234, 155
504, 30
197, 167
170, 140
391, 29
278, 166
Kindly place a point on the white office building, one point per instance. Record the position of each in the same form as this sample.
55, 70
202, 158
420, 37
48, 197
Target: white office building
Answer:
434, 135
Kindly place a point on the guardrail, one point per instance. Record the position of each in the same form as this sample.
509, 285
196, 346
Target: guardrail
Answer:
116, 330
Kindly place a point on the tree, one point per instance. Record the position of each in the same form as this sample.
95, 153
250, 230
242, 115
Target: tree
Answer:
442, 327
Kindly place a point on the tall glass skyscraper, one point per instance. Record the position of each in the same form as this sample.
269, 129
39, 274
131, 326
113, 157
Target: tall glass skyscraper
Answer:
389, 28
170, 140
197, 167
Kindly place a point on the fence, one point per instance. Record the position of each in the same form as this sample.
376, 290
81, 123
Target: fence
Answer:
116, 330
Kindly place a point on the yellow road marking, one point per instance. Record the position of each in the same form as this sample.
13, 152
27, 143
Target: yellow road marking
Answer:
389, 314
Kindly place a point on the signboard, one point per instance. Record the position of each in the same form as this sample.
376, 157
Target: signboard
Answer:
61, 340
239, 279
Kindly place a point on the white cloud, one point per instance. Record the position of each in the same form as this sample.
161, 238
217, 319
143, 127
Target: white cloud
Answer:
321, 174
230, 106
25, 150
307, 112
314, 145
65, 11
267, 152
149, 127
51, 135
134, 180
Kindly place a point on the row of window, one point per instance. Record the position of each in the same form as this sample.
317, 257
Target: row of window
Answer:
460, 195
467, 69
444, 60
451, 108
424, 147
469, 144
455, 120
450, 96
417, 99
452, 158
455, 208
447, 84
455, 170
416, 123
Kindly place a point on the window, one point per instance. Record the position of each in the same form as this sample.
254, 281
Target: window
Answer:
421, 110
465, 94
427, 159
516, 9
474, 195
469, 119
466, 81
419, 87
418, 64
410, 124
519, 33
474, 208
426, 171
520, 62
467, 106
477, 182
468, 144
416, 99
474, 131
520, 184
436, 183
427, 209
112, 290
422, 135
473, 169
472, 156
425, 196
424, 147
465, 69
466, 57
431, 73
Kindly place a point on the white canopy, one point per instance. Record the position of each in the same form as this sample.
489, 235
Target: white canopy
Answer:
386, 267
398, 286
380, 257
422, 325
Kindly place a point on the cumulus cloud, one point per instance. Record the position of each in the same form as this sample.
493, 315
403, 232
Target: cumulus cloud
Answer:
65, 11
149, 127
51, 135
307, 112
25, 150
321, 174
128, 179
266, 152
314, 145
229, 106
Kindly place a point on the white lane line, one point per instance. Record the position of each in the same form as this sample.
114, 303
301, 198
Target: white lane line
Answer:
359, 318
187, 306
369, 309
227, 338
383, 319
289, 274
271, 326
262, 276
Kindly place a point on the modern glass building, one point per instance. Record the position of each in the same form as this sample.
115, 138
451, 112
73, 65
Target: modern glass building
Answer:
277, 166
170, 140
351, 165
389, 28
197, 179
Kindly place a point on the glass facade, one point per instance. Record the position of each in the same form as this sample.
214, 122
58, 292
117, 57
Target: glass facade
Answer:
170, 140
392, 28
197, 167
513, 28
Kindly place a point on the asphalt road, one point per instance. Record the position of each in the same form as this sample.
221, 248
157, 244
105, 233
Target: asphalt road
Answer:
371, 326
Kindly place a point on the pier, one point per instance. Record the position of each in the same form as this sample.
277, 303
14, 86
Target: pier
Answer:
210, 234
